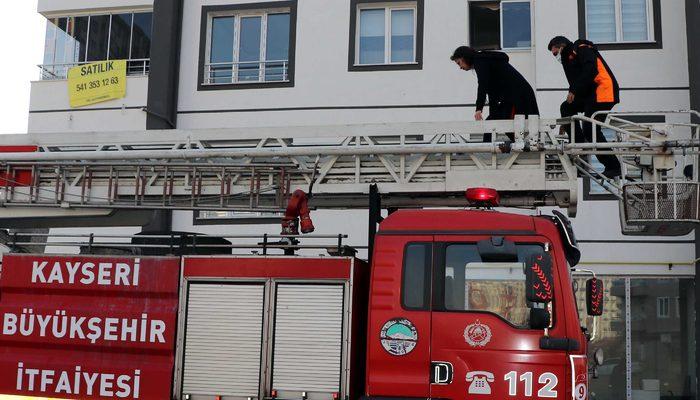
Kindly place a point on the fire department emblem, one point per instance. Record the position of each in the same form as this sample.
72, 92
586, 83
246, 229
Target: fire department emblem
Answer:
399, 336
477, 334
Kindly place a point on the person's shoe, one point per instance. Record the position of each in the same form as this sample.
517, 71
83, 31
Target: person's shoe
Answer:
612, 173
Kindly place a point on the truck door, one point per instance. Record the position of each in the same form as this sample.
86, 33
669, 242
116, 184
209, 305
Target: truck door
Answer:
482, 344
398, 362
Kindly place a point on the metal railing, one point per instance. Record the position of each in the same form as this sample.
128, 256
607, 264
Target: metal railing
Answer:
246, 72
179, 243
134, 67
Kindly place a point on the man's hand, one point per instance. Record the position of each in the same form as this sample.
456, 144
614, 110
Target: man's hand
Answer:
478, 116
570, 98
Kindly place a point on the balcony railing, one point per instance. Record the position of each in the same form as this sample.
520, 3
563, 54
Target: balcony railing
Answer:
246, 72
135, 67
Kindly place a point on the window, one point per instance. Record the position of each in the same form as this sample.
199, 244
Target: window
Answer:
663, 307
498, 287
386, 35
248, 46
621, 23
71, 41
415, 285
500, 25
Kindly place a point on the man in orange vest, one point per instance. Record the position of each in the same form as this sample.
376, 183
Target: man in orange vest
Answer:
592, 88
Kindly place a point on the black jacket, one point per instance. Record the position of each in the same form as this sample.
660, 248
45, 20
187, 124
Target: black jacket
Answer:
503, 84
582, 73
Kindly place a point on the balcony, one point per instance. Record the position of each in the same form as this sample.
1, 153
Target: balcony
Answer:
134, 67
246, 72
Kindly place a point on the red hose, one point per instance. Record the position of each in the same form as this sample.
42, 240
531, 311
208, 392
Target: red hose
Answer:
297, 209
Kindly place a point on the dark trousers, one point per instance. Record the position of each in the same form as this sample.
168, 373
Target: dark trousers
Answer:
585, 134
499, 111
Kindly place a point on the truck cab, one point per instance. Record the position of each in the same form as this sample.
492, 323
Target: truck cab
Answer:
452, 312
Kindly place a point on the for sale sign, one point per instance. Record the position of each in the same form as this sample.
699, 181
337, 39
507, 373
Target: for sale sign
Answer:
88, 327
96, 82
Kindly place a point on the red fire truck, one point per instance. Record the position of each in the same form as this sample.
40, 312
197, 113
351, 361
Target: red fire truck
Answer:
456, 304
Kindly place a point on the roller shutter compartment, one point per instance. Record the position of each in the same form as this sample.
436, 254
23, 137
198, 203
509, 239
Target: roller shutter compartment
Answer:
308, 339
223, 340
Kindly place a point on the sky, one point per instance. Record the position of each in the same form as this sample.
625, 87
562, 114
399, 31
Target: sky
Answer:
22, 44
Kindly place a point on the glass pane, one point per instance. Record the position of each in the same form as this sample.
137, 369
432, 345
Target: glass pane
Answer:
497, 287
402, 36
600, 21
277, 47
221, 50
416, 272
662, 344
516, 25
80, 36
610, 337
141, 36
120, 35
485, 25
371, 36
634, 21
63, 42
99, 35
249, 49
50, 41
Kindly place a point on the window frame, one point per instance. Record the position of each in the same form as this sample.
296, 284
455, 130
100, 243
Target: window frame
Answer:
500, 12
438, 284
654, 27
500, 28
262, 9
388, 5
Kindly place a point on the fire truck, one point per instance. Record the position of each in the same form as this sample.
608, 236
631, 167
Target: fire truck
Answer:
453, 303
456, 303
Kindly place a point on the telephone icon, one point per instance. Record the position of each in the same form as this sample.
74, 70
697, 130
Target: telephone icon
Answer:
479, 382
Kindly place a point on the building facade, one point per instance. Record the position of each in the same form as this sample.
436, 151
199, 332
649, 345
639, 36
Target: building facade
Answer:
241, 63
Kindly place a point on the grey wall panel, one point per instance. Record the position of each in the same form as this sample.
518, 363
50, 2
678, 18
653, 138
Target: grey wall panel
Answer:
308, 338
223, 339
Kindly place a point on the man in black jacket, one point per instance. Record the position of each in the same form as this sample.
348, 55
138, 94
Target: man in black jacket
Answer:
508, 92
592, 88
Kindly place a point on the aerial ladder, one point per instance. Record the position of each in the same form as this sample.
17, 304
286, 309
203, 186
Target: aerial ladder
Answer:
54, 179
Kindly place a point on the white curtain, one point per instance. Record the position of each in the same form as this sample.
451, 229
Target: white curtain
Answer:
402, 36
634, 21
600, 21
372, 36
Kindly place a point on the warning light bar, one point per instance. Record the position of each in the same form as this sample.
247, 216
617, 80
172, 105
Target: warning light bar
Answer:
482, 197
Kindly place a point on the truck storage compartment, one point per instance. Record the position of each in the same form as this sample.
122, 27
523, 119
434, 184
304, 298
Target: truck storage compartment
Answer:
308, 339
270, 327
224, 339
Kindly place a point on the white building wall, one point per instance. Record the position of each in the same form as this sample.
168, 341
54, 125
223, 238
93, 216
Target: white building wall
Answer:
322, 78
50, 111
438, 92
69, 7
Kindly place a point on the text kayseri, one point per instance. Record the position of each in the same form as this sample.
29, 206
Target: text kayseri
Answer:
86, 273
77, 382
91, 329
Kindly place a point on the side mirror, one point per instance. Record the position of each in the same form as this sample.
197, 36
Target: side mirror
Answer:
539, 280
594, 297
